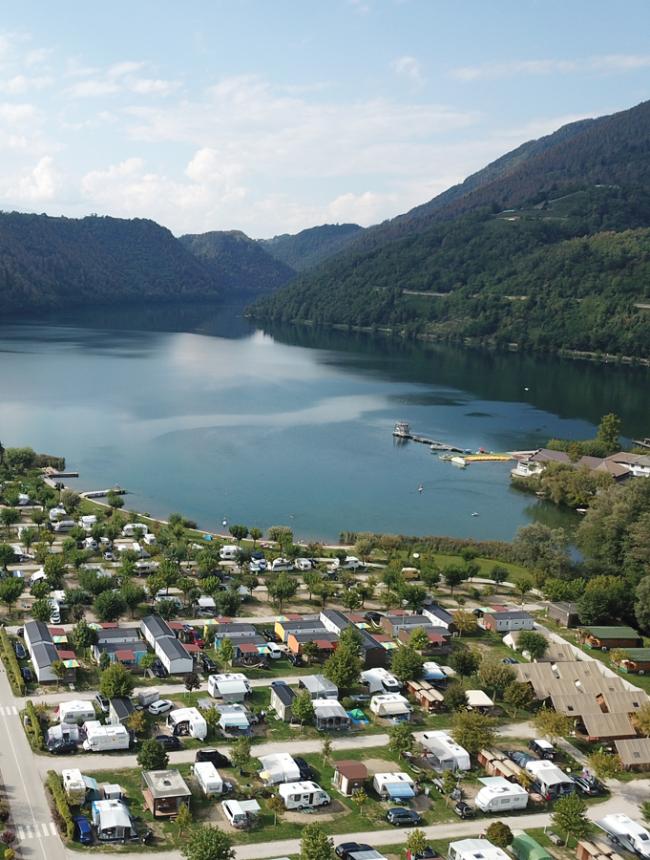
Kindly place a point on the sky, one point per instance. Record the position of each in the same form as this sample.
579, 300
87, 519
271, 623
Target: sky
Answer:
269, 116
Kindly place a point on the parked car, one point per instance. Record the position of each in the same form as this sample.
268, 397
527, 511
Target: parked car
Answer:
169, 742
20, 651
520, 758
63, 748
345, 849
109, 556
208, 665
589, 786
542, 748
306, 771
400, 817
28, 675
102, 703
509, 661
463, 810
210, 754
158, 670
160, 706
373, 618
83, 831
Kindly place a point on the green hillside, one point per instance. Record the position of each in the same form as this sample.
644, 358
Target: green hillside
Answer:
238, 264
51, 262
546, 248
306, 249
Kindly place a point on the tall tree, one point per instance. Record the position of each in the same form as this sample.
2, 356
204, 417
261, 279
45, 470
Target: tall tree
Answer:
208, 843
570, 817
473, 730
314, 845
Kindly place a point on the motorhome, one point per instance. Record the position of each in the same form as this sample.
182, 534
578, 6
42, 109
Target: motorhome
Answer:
88, 521
208, 778
475, 849
303, 564
350, 562
303, 795
64, 525
380, 681
281, 564
101, 738
627, 833
229, 552
500, 795
74, 786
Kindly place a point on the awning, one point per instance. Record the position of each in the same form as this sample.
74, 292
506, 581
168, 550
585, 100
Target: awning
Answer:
71, 664
59, 639
389, 645
400, 790
90, 783
234, 721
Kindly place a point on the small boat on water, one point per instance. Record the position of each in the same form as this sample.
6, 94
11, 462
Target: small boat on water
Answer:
402, 430
461, 462
475, 514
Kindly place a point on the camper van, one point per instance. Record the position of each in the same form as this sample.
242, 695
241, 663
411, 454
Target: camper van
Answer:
303, 795
229, 552
64, 525
188, 721
627, 833
208, 778
241, 813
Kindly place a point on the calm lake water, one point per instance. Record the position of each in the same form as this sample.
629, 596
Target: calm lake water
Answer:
196, 410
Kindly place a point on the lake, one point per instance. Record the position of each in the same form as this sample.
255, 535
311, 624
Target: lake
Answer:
197, 410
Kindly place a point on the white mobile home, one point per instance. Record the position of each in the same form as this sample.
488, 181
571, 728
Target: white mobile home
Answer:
277, 768
303, 795
475, 849
380, 681
443, 751
394, 786
77, 711
499, 795
392, 706
188, 721
133, 529
208, 778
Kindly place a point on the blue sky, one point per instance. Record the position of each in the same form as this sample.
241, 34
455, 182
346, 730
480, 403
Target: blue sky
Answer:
270, 116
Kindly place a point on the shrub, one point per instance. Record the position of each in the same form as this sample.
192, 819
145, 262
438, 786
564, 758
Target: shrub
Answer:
33, 726
55, 787
11, 664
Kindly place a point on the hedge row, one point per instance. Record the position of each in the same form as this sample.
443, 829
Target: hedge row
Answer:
492, 549
11, 664
32, 726
64, 814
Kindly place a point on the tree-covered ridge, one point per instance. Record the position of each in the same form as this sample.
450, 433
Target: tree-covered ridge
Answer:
306, 249
238, 263
50, 262
566, 273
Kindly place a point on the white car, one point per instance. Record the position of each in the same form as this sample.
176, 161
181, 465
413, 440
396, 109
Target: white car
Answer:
160, 706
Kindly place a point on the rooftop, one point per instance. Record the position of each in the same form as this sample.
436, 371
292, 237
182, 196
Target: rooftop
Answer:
165, 783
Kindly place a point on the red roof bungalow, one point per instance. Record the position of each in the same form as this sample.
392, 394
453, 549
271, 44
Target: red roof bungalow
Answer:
436, 639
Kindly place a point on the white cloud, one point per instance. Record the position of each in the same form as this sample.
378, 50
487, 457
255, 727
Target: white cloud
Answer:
17, 114
598, 64
117, 78
119, 70
19, 84
38, 185
408, 67
153, 86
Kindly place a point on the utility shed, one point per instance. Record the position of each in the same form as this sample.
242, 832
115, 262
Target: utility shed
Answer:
606, 638
282, 696
349, 776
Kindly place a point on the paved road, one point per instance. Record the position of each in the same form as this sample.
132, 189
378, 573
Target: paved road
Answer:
30, 814
93, 761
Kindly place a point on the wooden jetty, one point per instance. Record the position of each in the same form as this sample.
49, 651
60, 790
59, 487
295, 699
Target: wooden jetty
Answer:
643, 443
99, 494
403, 431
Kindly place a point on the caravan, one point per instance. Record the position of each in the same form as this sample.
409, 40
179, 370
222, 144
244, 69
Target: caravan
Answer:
500, 795
303, 795
443, 752
229, 552
208, 778
627, 833
188, 721
380, 681
77, 711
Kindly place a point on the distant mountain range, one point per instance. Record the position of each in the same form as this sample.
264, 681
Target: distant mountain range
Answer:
46, 263
546, 248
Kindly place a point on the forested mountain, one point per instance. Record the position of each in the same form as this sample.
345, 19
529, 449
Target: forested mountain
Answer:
306, 249
238, 263
50, 262
547, 248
